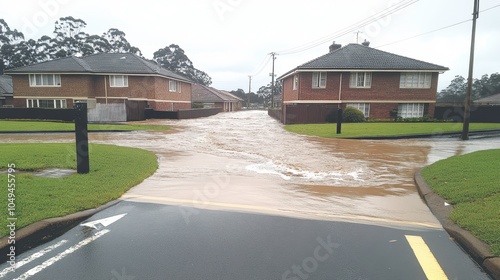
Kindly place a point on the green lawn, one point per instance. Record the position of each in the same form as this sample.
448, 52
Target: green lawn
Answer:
7, 125
471, 183
355, 130
113, 171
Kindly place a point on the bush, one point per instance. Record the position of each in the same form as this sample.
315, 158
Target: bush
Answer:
352, 115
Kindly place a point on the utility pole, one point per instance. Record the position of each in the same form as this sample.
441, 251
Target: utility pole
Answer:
249, 90
468, 98
273, 54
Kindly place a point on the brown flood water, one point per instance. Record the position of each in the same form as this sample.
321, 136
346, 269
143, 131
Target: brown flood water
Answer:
246, 161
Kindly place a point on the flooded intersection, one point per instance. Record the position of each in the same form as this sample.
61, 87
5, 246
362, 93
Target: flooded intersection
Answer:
246, 161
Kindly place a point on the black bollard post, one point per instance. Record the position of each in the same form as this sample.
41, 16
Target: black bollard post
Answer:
82, 138
339, 120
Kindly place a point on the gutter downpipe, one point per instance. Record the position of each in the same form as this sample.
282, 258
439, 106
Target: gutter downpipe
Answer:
106, 90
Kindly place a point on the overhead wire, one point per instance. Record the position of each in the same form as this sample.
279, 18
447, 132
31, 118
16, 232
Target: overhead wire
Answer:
263, 65
353, 27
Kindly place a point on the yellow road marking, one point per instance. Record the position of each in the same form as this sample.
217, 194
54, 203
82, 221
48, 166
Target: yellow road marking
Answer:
427, 261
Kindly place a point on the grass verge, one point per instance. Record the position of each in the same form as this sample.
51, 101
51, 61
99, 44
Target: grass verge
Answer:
353, 130
471, 183
7, 125
113, 171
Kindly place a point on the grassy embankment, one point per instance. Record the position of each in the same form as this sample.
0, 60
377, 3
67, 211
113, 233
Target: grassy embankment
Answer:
472, 185
113, 171
12, 125
355, 130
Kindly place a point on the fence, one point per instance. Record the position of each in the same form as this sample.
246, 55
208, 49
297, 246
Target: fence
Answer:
37, 114
306, 113
182, 114
479, 113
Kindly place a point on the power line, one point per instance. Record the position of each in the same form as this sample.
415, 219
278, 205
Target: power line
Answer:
435, 30
263, 65
382, 14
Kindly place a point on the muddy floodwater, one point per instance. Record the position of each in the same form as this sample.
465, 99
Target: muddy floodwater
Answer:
246, 161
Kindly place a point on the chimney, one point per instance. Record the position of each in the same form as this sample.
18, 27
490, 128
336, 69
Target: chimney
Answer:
366, 43
334, 46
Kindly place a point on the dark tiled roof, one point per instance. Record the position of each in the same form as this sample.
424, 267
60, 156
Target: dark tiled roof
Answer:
102, 63
493, 99
204, 94
359, 57
6, 85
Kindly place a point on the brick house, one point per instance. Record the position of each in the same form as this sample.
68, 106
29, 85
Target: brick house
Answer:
374, 81
209, 97
105, 78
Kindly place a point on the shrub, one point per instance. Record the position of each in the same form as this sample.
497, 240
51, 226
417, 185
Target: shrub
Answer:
353, 115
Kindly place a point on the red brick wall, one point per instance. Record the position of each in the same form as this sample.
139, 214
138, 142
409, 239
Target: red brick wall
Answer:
288, 92
71, 85
330, 92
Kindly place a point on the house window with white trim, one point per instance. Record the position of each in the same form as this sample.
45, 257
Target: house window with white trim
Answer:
319, 79
295, 82
363, 107
179, 87
415, 80
172, 86
118, 81
411, 110
360, 80
46, 103
45, 80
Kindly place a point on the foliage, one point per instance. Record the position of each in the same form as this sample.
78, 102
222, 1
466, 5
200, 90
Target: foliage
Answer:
470, 182
113, 171
360, 130
425, 118
69, 39
483, 87
352, 115
174, 59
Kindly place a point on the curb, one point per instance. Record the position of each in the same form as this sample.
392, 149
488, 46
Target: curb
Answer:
476, 248
489, 132
62, 131
44, 231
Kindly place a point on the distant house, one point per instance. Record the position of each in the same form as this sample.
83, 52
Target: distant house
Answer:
490, 100
209, 97
105, 78
376, 82
6, 90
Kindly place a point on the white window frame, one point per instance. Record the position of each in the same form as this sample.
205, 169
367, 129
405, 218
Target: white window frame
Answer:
57, 103
172, 86
45, 80
415, 80
411, 110
360, 80
363, 107
179, 87
295, 82
319, 79
118, 81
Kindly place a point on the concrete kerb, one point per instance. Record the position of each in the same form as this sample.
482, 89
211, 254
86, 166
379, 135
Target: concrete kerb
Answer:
44, 231
477, 249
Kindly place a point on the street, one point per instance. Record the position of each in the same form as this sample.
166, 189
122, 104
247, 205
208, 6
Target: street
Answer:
237, 197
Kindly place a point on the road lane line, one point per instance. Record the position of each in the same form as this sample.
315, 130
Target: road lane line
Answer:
60, 256
427, 261
32, 258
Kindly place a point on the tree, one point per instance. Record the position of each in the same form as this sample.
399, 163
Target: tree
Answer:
174, 59
455, 92
8, 40
69, 37
118, 43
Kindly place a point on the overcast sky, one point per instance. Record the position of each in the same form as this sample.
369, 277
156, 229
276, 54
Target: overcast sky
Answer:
229, 39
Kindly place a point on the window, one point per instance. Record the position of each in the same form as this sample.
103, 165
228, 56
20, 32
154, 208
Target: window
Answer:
179, 87
411, 110
118, 81
45, 80
319, 80
172, 86
363, 107
295, 82
46, 103
415, 80
361, 80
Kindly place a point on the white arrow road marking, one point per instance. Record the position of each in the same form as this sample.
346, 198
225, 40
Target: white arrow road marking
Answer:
105, 222
32, 258
60, 256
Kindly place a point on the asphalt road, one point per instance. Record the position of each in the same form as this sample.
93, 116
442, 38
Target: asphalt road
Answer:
154, 241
